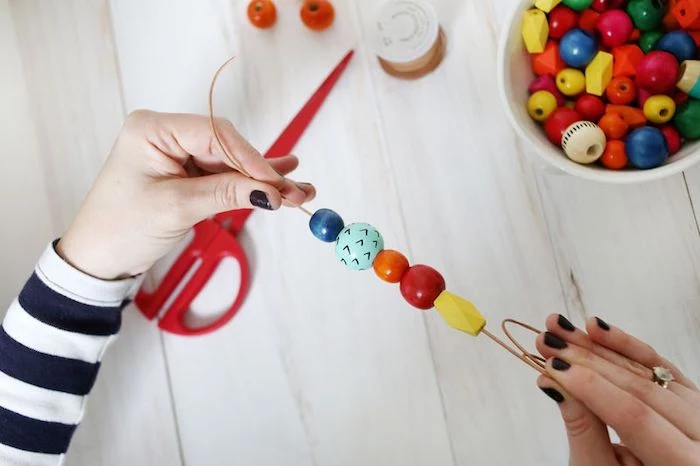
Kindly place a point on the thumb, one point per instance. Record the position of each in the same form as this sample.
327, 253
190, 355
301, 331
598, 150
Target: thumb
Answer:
205, 196
589, 443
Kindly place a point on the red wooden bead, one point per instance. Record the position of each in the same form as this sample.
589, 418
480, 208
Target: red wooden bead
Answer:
590, 107
642, 96
621, 90
614, 157
390, 265
673, 138
421, 285
558, 122
615, 27
548, 62
588, 20
602, 5
658, 72
680, 98
562, 19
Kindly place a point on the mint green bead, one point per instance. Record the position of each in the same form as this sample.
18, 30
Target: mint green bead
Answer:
358, 245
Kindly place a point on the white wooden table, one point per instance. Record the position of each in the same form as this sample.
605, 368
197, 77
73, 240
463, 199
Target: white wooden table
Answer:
324, 366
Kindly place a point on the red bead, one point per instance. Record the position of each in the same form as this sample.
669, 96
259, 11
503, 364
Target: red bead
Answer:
680, 98
390, 265
557, 123
642, 96
602, 5
621, 90
421, 285
657, 72
562, 19
588, 20
590, 107
546, 83
614, 157
615, 27
673, 138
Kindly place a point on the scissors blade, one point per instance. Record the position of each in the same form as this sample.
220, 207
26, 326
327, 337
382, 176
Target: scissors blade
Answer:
295, 129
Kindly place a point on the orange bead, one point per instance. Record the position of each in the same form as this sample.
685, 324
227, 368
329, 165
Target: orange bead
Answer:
548, 62
317, 14
613, 125
625, 59
262, 13
614, 157
632, 116
390, 265
621, 90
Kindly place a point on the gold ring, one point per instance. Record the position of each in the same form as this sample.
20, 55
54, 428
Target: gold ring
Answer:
661, 376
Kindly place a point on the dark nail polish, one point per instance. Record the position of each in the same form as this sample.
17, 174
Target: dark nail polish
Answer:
554, 341
560, 364
565, 324
260, 199
602, 324
553, 394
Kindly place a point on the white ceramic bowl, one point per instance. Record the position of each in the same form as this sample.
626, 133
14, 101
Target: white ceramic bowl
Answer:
514, 76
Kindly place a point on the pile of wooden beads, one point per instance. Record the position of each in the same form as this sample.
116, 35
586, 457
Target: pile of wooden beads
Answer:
617, 81
359, 246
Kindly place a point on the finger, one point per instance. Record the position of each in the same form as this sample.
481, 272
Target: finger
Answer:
641, 428
625, 344
669, 405
560, 325
284, 165
589, 443
195, 199
625, 457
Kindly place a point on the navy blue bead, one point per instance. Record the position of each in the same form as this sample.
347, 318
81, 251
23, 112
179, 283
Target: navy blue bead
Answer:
678, 43
326, 225
646, 147
577, 48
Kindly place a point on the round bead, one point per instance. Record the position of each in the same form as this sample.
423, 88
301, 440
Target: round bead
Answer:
678, 43
577, 48
646, 14
657, 72
571, 81
673, 139
262, 13
621, 90
421, 285
590, 107
583, 142
325, 224
578, 5
615, 27
558, 122
562, 19
613, 125
317, 14
646, 147
390, 265
546, 83
687, 119
358, 245
648, 40
540, 105
614, 156
659, 108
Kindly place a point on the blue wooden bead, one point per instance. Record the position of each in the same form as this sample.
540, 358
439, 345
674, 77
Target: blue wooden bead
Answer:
358, 245
577, 48
646, 147
678, 43
325, 224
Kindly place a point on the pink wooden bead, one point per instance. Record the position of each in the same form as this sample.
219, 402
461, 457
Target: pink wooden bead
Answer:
546, 83
657, 72
615, 27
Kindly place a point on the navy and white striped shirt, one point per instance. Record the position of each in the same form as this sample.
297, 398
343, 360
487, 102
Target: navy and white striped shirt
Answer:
51, 343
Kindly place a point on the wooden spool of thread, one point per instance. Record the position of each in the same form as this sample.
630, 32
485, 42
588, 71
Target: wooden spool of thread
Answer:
408, 39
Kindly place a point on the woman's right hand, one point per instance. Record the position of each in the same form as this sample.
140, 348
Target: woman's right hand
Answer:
603, 377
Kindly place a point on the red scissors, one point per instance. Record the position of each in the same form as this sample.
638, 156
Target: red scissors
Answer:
215, 240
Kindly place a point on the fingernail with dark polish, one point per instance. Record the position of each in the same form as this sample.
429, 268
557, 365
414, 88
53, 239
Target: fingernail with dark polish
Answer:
553, 394
554, 341
260, 199
602, 324
565, 324
560, 364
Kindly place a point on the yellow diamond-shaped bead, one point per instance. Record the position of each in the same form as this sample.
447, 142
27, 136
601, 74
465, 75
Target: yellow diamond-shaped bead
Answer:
460, 313
547, 5
535, 30
599, 73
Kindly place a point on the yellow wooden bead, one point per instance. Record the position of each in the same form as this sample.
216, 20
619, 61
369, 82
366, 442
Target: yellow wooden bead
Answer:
571, 81
659, 108
534, 30
547, 5
541, 104
599, 73
459, 313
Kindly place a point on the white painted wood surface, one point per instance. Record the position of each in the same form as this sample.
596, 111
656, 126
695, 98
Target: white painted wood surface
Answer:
324, 366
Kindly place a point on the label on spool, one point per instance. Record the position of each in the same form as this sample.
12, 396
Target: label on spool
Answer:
406, 30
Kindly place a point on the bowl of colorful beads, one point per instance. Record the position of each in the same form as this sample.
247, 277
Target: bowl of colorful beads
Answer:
607, 90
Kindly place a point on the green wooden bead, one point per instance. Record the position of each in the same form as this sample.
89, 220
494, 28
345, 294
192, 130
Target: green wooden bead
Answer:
646, 14
578, 5
358, 245
687, 119
648, 40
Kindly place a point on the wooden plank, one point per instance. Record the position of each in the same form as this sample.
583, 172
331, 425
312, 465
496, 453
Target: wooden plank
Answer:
322, 366
73, 100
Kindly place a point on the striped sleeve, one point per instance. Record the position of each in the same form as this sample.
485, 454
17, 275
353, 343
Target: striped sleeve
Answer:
52, 340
